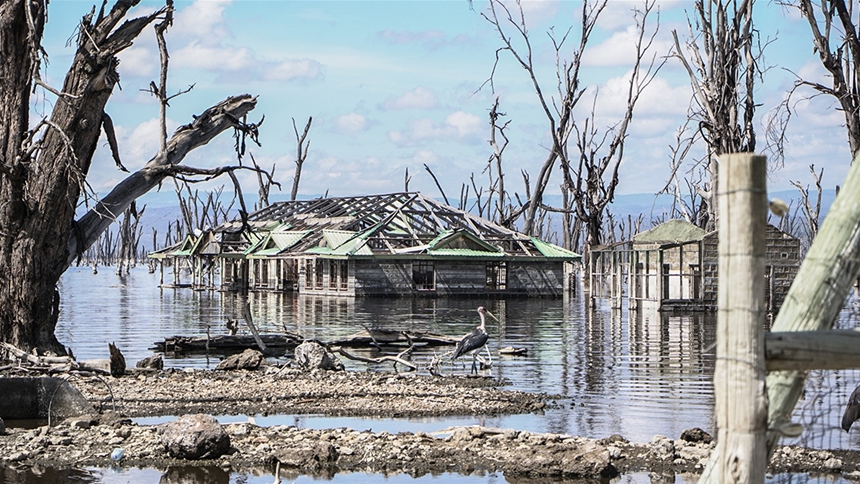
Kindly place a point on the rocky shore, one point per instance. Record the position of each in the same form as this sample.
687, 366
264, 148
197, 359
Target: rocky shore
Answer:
522, 456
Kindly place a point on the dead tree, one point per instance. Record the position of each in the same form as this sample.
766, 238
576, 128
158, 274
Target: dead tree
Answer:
811, 211
129, 238
44, 164
497, 186
835, 40
264, 184
302, 145
722, 62
592, 179
511, 28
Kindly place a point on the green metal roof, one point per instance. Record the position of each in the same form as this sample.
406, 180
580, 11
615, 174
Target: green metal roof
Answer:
447, 252
553, 251
275, 243
448, 237
671, 231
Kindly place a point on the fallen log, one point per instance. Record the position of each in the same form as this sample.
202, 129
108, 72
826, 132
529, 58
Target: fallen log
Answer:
226, 343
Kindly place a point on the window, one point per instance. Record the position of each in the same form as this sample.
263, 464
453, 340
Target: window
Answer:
423, 275
497, 275
309, 273
333, 272
344, 275
318, 274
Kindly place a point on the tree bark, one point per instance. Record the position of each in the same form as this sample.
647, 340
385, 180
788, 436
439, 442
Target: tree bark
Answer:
43, 171
205, 127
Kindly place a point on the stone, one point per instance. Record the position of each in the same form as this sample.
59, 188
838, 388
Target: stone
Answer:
250, 359
696, 435
155, 362
195, 436
311, 355
322, 455
586, 460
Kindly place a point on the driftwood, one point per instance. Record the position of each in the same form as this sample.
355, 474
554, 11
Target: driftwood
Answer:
117, 361
14, 352
381, 359
379, 337
50, 364
226, 343
512, 351
249, 320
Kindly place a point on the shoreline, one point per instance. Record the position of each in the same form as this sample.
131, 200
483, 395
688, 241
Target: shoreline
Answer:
89, 440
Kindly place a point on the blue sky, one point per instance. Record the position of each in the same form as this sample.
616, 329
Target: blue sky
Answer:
393, 85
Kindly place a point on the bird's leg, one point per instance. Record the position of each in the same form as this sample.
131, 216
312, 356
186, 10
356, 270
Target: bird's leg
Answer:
474, 363
489, 356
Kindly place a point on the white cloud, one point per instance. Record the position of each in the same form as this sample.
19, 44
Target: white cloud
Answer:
293, 69
467, 124
418, 98
460, 126
139, 61
214, 58
620, 49
202, 20
351, 123
199, 41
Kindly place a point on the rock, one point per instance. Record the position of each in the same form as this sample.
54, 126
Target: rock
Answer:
587, 460
322, 455
155, 362
833, 464
696, 435
311, 355
80, 423
195, 436
663, 448
250, 359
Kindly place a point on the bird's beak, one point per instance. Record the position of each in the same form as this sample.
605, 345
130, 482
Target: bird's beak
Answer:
491, 315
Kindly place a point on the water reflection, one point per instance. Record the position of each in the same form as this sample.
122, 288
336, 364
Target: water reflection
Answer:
636, 374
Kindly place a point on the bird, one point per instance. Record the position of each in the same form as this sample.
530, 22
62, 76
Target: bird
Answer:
474, 341
852, 411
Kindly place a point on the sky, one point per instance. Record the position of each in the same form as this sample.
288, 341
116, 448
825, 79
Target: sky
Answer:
396, 85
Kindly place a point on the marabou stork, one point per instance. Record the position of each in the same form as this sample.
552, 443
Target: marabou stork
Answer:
852, 411
474, 341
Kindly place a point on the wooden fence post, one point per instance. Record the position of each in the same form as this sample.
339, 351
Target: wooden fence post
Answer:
739, 377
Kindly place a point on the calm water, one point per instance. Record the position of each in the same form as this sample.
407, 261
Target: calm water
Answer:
637, 375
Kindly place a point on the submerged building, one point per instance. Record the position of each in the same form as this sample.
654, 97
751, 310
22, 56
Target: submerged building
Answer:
674, 266
399, 244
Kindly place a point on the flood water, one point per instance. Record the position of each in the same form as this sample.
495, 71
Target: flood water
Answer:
637, 374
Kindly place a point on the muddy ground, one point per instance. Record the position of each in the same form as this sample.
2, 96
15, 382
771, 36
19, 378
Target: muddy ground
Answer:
523, 456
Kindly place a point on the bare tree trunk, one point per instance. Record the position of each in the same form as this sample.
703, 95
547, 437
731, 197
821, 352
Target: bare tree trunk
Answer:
722, 73
301, 154
41, 203
38, 213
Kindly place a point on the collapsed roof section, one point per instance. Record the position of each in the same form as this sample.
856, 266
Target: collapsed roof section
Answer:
392, 225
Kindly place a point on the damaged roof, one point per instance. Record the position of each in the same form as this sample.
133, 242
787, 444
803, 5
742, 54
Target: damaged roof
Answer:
396, 225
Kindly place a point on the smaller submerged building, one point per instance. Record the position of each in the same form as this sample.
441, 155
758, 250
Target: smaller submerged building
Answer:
399, 244
674, 266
